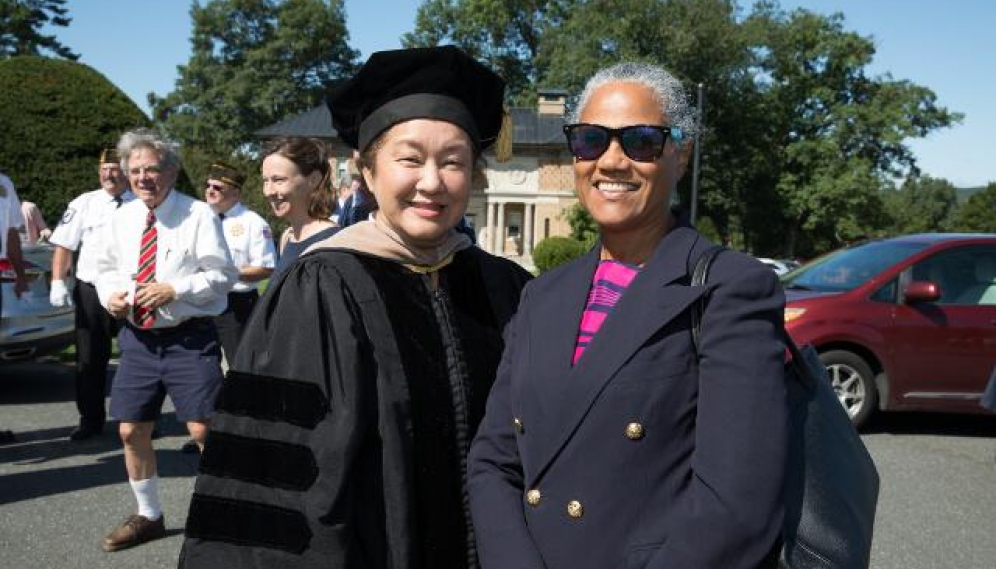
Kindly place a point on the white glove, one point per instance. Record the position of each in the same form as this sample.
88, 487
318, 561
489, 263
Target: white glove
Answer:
58, 295
44, 234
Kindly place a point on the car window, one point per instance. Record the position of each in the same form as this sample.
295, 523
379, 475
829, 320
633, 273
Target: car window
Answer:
846, 269
966, 275
887, 293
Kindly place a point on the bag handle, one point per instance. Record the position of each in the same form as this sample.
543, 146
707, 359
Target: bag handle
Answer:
700, 275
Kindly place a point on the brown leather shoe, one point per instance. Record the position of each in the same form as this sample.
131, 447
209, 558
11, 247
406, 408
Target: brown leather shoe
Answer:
134, 531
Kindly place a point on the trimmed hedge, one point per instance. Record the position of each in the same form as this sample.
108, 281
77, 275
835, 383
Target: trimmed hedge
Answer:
57, 115
554, 251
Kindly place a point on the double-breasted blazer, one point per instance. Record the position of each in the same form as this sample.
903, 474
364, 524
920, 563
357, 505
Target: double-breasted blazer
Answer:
646, 453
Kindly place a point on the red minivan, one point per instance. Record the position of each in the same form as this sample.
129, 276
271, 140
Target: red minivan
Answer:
905, 323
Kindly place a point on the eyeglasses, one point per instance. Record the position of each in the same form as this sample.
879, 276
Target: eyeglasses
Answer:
641, 142
215, 187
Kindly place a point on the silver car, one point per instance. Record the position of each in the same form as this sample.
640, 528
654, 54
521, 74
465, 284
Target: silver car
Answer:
30, 326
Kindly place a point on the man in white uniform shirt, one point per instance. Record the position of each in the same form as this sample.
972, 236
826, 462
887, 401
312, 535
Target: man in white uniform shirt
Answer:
81, 229
250, 243
166, 270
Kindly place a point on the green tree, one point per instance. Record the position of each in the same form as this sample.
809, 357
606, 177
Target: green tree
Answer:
583, 227
505, 34
64, 113
841, 132
978, 214
253, 62
921, 204
20, 22
799, 138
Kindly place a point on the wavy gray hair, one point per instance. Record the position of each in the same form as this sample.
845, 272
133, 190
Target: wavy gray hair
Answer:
167, 151
668, 90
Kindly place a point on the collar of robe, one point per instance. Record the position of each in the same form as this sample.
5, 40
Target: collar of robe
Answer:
370, 238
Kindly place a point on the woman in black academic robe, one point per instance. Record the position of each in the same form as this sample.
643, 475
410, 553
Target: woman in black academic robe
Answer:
341, 434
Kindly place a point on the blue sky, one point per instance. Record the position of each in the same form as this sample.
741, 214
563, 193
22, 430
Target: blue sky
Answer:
947, 46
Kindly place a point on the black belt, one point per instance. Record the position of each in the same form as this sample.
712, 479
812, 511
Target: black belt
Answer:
185, 326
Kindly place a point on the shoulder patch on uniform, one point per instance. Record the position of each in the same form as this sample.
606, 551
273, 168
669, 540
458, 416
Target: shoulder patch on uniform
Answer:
68, 216
267, 233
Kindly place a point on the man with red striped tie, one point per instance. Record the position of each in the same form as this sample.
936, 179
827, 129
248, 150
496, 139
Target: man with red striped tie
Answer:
167, 272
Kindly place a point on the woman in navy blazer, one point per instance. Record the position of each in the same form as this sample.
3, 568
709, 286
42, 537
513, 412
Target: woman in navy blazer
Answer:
620, 445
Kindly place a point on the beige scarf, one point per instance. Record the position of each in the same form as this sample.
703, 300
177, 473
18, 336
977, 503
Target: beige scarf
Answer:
369, 237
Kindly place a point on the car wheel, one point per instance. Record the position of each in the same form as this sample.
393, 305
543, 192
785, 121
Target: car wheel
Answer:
852, 379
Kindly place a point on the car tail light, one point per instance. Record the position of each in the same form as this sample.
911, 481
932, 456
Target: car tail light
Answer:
7, 274
793, 313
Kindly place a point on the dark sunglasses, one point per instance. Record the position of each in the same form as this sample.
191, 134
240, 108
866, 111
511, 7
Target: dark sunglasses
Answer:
641, 142
215, 187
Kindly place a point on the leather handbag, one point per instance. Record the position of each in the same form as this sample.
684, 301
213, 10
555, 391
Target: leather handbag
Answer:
831, 484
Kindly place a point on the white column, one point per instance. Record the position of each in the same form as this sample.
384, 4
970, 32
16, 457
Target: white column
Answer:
527, 231
489, 244
500, 230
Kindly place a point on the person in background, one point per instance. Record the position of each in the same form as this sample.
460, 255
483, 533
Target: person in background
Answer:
81, 229
610, 440
343, 191
343, 426
10, 240
296, 183
10, 252
250, 243
166, 270
358, 202
35, 228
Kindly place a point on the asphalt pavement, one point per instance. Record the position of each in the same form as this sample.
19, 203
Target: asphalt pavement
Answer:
58, 498
937, 508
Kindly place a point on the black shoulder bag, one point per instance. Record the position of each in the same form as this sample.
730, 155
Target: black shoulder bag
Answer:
831, 485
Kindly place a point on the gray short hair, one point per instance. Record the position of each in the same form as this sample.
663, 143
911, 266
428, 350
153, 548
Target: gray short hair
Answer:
666, 87
167, 151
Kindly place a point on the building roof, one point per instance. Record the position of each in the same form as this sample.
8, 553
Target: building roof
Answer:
316, 123
530, 128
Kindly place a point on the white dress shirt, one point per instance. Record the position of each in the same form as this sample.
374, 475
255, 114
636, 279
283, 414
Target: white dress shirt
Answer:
10, 212
191, 256
250, 242
82, 228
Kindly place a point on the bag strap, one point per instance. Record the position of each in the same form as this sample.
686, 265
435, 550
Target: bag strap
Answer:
700, 275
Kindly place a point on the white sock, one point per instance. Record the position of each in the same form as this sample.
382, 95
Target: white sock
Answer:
147, 494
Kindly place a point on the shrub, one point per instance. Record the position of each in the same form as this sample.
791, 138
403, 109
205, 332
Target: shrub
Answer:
554, 251
56, 117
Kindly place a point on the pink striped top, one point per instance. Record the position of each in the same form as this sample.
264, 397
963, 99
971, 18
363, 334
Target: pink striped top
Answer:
607, 286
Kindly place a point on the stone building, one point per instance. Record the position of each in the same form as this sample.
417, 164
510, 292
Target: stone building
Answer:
525, 198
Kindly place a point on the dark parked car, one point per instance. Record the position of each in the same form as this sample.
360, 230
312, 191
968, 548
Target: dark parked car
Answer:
907, 323
30, 326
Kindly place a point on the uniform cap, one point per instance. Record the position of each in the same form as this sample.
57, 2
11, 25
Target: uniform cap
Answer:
227, 173
441, 83
110, 156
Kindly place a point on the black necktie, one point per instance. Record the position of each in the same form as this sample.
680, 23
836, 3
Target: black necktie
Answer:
221, 216
118, 201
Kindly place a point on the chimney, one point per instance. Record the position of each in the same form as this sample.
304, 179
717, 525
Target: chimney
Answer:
552, 102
